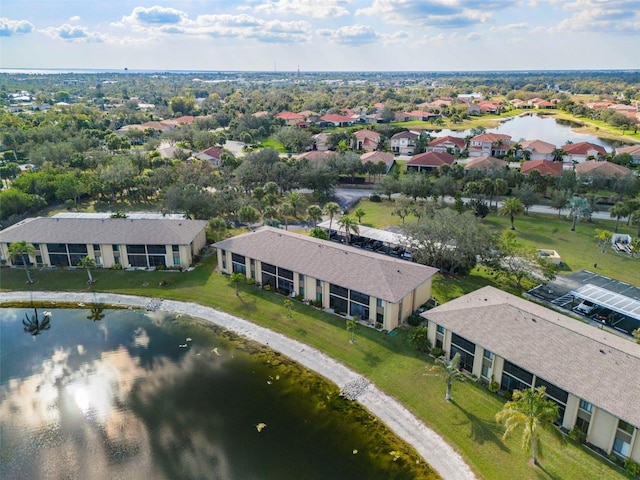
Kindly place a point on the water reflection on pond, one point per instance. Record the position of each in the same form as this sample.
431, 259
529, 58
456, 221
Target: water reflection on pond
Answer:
131, 394
535, 127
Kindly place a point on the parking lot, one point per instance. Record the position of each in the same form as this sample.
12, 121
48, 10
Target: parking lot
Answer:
600, 300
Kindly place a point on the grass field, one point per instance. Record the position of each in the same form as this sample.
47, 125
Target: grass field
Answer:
467, 423
579, 249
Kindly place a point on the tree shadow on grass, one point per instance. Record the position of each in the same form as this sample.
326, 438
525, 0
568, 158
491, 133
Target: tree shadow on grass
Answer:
547, 473
481, 430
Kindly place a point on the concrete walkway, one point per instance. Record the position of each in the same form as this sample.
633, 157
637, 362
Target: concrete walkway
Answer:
428, 444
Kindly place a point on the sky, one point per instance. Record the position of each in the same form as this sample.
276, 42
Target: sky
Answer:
321, 35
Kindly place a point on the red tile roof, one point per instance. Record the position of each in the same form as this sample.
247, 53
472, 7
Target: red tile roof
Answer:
485, 163
457, 141
606, 169
432, 159
376, 157
543, 166
492, 137
289, 116
583, 148
363, 134
335, 118
214, 152
538, 146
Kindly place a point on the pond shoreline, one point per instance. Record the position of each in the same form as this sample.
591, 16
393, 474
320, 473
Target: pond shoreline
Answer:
435, 451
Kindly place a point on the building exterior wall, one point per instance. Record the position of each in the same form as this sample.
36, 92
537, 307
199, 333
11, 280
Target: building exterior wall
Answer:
571, 412
602, 429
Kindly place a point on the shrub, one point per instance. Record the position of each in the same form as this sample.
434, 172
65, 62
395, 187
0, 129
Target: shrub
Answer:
267, 287
374, 197
437, 352
117, 266
251, 281
163, 283
414, 320
493, 387
378, 325
632, 467
578, 434
508, 395
419, 339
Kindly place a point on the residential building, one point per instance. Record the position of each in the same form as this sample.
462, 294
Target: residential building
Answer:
486, 163
605, 169
211, 154
366, 140
450, 144
353, 282
315, 156
336, 120
428, 161
321, 140
633, 150
538, 150
591, 374
582, 151
492, 144
129, 242
377, 157
543, 167
290, 118
404, 143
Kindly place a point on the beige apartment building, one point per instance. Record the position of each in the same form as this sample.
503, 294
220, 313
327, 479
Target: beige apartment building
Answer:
129, 242
352, 282
592, 374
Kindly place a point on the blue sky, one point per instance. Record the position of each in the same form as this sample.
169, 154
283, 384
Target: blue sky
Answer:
321, 34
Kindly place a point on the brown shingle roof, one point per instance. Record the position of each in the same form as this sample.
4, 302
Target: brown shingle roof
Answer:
104, 231
371, 273
593, 364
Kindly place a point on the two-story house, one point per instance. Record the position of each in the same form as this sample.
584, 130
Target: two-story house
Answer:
489, 144
404, 143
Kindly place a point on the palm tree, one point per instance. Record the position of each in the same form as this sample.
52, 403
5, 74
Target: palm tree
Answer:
558, 154
96, 312
511, 207
351, 328
289, 306
618, 211
635, 220
20, 249
297, 201
579, 208
359, 213
452, 373
285, 210
349, 225
33, 325
88, 263
530, 410
236, 278
332, 209
314, 214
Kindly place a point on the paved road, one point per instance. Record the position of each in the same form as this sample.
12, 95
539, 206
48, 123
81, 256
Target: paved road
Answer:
446, 461
347, 198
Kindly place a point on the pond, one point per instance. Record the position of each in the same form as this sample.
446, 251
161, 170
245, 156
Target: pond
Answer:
535, 127
116, 393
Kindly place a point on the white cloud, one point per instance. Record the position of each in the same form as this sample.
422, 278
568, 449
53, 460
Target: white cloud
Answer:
75, 18
613, 16
473, 37
9, 28
352, 35
509, 27
154, 16
394, 38
74, 33
308, 8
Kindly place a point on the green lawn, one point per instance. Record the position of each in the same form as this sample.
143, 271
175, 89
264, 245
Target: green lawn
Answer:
578, 249
467, 423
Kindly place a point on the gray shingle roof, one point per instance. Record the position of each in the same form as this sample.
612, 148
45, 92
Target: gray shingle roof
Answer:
593, 364
371, 273
105, 231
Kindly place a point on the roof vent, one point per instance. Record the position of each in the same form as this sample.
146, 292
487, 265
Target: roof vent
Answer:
533, 320
602, 352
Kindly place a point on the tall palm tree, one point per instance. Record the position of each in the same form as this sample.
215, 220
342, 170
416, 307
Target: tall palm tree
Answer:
332, 209
511, 207
452, 373
88, 263
349, 225
314, 214
530, 410
619, 210
359, 213
558, 154
285, 210
20, 249
297, 201
635, 220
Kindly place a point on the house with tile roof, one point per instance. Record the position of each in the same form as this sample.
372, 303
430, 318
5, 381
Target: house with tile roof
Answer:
315, 156
404, 143
350, 281
493, 144
633, 150
582, 151
448, 143
290, 118
211, 154
335, 120
366, 140
605, 169
130, 242
543, 167
429, 161
377, 157
538, 150
486, 163
591, 374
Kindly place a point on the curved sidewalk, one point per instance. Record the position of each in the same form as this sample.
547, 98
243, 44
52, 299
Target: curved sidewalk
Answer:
448, 463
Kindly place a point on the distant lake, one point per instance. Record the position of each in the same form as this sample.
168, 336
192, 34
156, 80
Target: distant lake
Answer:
534, 127
130, 394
